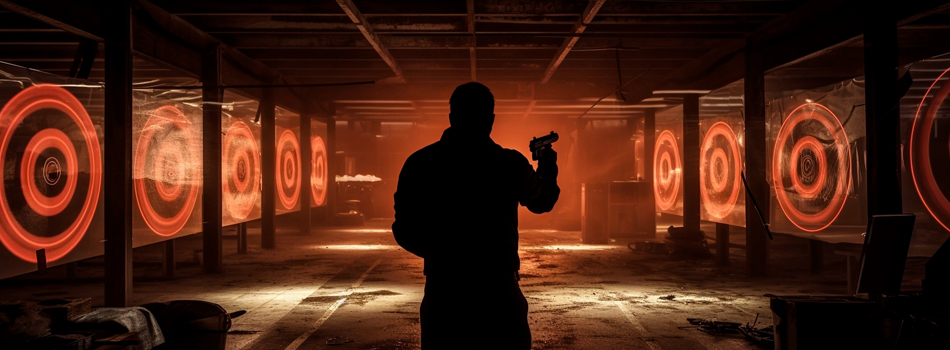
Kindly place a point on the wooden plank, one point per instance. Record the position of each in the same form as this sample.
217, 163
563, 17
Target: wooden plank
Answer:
589, 12
357, 17
306, 168
649, 143
756, 161
691, 192
117, 162
882, 123
268, 171
470, 9
84, 31
722, 244
211, 227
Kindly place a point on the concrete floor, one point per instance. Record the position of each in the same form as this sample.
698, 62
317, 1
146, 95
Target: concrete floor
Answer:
354, 288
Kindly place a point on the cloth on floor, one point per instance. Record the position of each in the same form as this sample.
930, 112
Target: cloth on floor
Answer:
126, 319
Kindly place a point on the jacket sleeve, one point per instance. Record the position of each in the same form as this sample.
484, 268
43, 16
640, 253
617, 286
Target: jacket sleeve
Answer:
538, 189
409, 228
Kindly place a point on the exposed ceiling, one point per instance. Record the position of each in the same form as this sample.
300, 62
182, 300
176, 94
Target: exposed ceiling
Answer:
550, 58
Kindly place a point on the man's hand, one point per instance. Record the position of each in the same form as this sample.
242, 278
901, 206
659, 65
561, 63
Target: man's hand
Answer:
548, 155
547, 163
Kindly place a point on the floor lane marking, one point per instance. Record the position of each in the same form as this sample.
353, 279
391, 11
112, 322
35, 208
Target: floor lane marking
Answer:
651, 342
336, 305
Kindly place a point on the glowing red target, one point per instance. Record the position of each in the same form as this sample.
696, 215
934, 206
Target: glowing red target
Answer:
241, 177
52, 170
288, 169
931, 189
318, 177
165, 171
719, 170
667, 170
811, 167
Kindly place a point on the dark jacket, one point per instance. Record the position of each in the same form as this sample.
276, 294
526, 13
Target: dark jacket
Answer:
457, 204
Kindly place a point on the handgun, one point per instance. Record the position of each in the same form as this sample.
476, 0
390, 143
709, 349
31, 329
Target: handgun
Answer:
539, 143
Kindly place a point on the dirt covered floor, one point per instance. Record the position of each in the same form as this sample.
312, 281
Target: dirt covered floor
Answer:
354, 288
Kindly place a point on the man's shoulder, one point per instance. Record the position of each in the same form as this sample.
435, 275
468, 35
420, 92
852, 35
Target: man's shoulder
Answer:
513, 155
428, 152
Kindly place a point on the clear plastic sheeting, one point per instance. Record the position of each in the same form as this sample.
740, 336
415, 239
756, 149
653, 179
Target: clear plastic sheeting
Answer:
925, 136
240, 159
668, 161
721, 157
166, 164
288, 161
51, 146
816, 170
319, 159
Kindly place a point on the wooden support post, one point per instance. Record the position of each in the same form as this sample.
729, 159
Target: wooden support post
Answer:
333, 168
117, 160
268, 171
722, 244
306, 165
211, 211
242, 238
691, 195
168, 261
816, 251
883, 117
649, 143
756, 161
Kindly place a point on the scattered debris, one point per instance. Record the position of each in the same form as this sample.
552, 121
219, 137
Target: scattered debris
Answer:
668, 297
762, 337
339, 340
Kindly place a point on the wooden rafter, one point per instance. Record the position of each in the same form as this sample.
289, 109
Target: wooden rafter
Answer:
357, 17
470, 10
592, 7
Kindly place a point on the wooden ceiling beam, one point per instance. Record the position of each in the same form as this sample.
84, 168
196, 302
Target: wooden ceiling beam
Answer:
586, 16
470, 11
357, 17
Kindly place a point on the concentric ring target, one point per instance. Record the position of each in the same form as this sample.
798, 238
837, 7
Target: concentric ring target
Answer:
811, 167
52, 168
667, 170
288, 169
719, 170
241, 175
165, 173
318, 177
931, 189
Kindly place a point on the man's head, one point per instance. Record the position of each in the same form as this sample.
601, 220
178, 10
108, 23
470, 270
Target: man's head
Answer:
472, 109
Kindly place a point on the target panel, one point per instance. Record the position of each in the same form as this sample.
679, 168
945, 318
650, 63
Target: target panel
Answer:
720, 169
51, 155
319, 176
668, 171
929, 150
166, 165
241, 160
288, 157
816, 168
668, 162
811, 167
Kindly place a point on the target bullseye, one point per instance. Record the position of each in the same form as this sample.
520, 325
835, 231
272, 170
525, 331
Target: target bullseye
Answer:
719, 170
52, 185
241, 176
318, 178
165, 178
811, 167
668, 173
929, 189
288, 177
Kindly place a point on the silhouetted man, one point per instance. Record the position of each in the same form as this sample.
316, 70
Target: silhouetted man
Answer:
457, 207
